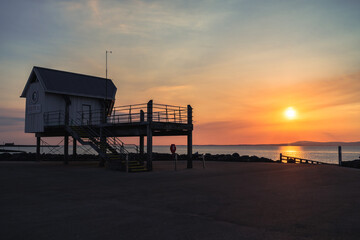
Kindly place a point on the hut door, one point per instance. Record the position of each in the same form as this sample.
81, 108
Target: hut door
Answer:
86, 114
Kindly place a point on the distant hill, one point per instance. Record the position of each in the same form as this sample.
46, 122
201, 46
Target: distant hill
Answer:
311, 143
305, 143
298, 143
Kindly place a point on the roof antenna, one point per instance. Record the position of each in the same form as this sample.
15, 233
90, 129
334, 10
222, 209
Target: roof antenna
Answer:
106, 53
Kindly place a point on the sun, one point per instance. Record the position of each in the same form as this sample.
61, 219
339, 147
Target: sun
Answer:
290, 113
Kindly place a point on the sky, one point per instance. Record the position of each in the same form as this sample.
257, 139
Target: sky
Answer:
239, 64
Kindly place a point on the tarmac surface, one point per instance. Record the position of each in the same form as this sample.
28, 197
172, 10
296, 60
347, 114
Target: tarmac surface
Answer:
47, 200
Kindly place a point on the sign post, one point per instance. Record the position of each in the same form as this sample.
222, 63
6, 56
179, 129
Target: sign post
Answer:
173, 150
203, 160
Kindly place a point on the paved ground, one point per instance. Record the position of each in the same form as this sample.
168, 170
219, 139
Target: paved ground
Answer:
223, 201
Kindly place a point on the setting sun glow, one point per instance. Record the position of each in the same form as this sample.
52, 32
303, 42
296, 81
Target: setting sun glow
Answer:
290, 113
254, 72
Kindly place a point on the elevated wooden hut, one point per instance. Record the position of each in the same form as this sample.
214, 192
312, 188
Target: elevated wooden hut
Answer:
51, 94
67, 104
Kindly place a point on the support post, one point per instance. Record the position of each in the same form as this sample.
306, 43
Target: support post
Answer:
67, 106
142, 118
175, 159
66, 149
38, 142
74, 149
280, 157
149, 135
141, 145
66, 123
189, 138
340, 155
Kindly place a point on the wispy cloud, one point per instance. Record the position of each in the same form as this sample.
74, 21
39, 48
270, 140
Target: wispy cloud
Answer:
11, 120
139, 17
11, 117
169, 88
327, 93
11, 124
238, 63
310, 95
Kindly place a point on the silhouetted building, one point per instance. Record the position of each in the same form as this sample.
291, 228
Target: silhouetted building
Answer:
67, 104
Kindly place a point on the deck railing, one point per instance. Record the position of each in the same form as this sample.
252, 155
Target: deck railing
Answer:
136, 113
54, 118
160, 113
124, 114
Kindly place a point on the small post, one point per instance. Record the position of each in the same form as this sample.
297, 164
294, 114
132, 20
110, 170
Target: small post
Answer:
280, 157
175, 158
127, 163
142, 116
340, 155
203, 160
38, 141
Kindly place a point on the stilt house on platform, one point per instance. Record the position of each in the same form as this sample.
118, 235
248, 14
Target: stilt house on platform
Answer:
63, 104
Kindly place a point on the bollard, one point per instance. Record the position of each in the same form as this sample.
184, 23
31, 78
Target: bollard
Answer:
203, 160
175, 155
340, 155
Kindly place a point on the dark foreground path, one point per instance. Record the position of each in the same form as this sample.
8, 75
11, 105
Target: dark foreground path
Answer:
224, 201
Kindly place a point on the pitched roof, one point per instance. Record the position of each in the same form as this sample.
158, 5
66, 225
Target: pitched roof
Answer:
68, 83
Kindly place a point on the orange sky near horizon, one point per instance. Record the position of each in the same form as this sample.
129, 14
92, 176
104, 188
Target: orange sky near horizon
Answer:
239, 65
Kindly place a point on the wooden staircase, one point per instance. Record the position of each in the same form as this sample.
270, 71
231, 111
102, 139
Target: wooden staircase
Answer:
119, 162
113, 152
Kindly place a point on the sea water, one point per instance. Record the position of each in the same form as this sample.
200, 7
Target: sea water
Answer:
328, 154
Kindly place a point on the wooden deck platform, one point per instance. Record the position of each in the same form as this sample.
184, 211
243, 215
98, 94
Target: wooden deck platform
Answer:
139, 120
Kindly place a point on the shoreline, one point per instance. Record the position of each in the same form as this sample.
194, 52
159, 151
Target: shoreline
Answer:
235, 157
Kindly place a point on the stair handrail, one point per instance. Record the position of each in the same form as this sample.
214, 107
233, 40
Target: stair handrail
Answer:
116, 142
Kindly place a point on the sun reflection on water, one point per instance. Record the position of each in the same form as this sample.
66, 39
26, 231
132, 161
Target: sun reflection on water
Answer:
292, 151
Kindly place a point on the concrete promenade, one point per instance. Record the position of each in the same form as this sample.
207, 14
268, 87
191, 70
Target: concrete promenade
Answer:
224, 201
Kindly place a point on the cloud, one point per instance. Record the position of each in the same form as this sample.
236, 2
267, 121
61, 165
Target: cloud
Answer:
6, 121
138, 17
11, 126
11, 117
94, 5
233, 126
329, 93
169, 88
310, 95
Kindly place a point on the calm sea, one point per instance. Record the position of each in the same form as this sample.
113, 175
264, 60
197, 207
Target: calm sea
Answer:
327, 154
